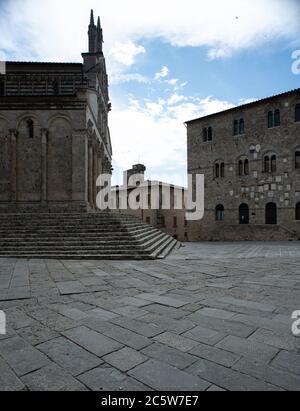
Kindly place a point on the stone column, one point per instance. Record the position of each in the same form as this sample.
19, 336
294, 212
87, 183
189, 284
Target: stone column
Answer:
44, 195
14, 186
80, 161
91, 173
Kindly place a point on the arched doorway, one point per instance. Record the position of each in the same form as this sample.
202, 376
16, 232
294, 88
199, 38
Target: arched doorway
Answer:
244, 214
271, 213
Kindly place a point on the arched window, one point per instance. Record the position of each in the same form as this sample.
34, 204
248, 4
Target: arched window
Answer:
270, 119
241, 168
298, 211
277, 118
273, 164
297, 113
222, 170
271, 213
241, 126
244, 214
297, 160
217, 170
267, 164
246, 167
205, 135
30, 128
209, 132
235, 128
220, 213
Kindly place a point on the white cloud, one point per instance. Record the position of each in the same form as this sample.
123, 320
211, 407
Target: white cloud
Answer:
172, 82
56, 27
164, 72
175, 98
117, 78
157, 135
126, 53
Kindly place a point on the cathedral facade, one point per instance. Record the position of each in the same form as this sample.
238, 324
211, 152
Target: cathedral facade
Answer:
54, 134
250, 157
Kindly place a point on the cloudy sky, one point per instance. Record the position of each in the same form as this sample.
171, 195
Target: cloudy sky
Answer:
168, 60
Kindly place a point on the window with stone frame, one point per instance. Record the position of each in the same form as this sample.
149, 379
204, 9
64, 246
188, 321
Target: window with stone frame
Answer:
270, 163
220, 212
219, 169
277, 118
209, 134
205, 135
241, 127
243, 167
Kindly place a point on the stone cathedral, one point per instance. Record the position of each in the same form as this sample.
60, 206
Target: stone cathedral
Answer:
54, 143
54, 134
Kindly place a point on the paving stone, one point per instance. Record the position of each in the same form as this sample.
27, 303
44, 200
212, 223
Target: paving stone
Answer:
216, 313
110, 379
216, 355
169, 355
164, 377
37, 334
167, 323
21, 356
130, 312
136, 302
163, 300
289, 361
204, 335
8, 379
284, 342
248, 348
249, 304
103, 315
125, 359
52, 378
73, 313
140, 327
71, 287
176, 341
92, 341
122, 335
228, 379
280, 378
229, 327
170, 312
69, 356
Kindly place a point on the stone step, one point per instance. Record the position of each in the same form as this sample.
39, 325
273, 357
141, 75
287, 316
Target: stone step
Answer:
72, 236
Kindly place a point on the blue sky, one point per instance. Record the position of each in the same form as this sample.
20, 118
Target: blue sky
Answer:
168, 62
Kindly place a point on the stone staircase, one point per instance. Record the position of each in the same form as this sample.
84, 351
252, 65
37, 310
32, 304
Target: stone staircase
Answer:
102, 236
253, 233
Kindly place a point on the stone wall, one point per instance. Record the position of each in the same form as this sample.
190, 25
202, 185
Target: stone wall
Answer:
258, 188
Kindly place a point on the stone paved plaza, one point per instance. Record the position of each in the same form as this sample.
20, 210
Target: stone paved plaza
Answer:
209, 317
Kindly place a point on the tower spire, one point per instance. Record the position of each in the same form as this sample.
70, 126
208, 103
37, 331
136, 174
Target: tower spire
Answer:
99, 36
92, 21
92, 34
